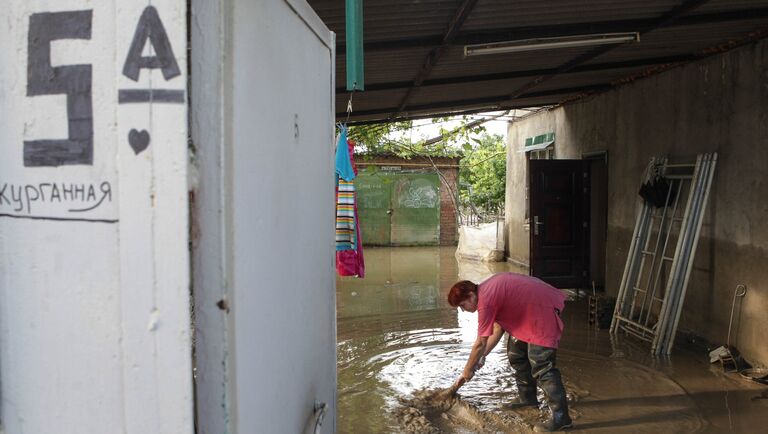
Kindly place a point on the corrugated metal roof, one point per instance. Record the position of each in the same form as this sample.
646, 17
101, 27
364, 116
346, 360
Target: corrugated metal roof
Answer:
401, 35
455, 64
731, 5
491, 14
429, 94
386, 66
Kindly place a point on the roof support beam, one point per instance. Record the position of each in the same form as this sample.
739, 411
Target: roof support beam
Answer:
434, 56
431, 115
496, 102
527, 73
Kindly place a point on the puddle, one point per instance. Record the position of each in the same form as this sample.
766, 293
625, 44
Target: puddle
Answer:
399, 341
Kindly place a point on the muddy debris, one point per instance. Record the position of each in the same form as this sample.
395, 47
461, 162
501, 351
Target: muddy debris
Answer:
439, 399
411, 415
413, 420
430, 411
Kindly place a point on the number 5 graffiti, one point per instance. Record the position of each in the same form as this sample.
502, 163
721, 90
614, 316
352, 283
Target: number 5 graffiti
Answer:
72, 80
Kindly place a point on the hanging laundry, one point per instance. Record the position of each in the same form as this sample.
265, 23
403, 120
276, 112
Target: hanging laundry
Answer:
344, 169
345, 195
345, 215
349, 261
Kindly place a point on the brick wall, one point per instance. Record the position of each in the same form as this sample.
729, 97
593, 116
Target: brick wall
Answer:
448, 228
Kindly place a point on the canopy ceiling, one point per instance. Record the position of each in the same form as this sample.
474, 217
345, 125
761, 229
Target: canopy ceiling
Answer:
414, 50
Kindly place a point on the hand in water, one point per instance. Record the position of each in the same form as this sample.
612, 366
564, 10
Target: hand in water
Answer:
466, 375
458, 383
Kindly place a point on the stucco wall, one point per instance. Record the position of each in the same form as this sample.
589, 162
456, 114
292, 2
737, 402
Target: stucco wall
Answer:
718, 104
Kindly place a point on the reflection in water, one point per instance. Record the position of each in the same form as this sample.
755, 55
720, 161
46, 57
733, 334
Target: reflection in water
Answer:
397, 335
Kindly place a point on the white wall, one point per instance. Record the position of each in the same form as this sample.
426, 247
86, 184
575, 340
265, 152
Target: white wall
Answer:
262, 113
94, 303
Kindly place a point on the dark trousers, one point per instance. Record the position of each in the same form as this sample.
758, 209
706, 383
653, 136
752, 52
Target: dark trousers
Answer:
530, 363
536, 364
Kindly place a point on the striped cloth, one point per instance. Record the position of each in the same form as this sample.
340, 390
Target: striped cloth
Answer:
345, 216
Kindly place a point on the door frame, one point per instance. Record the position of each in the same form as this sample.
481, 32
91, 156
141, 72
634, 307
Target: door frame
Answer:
598, 217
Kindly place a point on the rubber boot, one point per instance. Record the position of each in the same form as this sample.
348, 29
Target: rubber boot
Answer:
517, 353
526, 391
523, 401
553, 388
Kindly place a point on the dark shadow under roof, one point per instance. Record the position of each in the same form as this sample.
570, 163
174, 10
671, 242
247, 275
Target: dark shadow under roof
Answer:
414, 50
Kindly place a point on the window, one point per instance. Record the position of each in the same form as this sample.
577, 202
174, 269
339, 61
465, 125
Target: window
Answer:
547, 153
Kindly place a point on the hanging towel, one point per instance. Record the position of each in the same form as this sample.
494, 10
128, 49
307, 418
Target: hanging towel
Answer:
351, 262
344, 169
345, 215
345, 195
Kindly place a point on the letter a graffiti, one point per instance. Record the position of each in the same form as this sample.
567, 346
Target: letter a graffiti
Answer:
151, 28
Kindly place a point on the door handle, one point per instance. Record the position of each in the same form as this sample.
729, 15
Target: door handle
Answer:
320, 409
536, 224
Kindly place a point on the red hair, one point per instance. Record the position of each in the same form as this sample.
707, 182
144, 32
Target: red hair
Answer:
460, 291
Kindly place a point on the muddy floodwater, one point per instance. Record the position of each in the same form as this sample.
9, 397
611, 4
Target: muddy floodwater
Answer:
398, 340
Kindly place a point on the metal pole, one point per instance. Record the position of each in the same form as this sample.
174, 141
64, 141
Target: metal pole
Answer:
702, 206
628, 267
647, 230
672, 281
685, 258
683, 255
656, 262
666, 240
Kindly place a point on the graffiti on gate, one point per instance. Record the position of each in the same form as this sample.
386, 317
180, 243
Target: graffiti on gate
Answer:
419, 195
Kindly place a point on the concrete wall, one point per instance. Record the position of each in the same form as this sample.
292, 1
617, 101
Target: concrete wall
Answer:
262, 124
94, 265
718, 104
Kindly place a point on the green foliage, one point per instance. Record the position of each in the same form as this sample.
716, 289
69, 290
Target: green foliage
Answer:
394, 138
483, 173
375, 139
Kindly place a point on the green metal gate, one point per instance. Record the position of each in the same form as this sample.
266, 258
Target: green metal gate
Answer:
374, 199
399, 209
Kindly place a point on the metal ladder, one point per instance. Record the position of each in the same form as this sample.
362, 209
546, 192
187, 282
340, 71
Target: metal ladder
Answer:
653, 287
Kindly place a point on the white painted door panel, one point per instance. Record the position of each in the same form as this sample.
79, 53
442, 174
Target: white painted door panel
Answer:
94, 261
282, 195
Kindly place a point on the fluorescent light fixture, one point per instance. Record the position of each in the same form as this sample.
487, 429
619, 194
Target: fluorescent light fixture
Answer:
550, 43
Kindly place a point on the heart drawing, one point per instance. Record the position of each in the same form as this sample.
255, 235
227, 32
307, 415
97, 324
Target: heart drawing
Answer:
139, 140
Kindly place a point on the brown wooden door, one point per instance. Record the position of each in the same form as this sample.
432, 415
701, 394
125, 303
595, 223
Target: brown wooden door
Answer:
559, 222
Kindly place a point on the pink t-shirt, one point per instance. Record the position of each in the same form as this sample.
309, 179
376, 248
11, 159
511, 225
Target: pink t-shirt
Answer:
524, 306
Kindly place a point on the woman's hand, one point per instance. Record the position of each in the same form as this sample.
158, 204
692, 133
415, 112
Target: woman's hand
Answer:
466, 375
